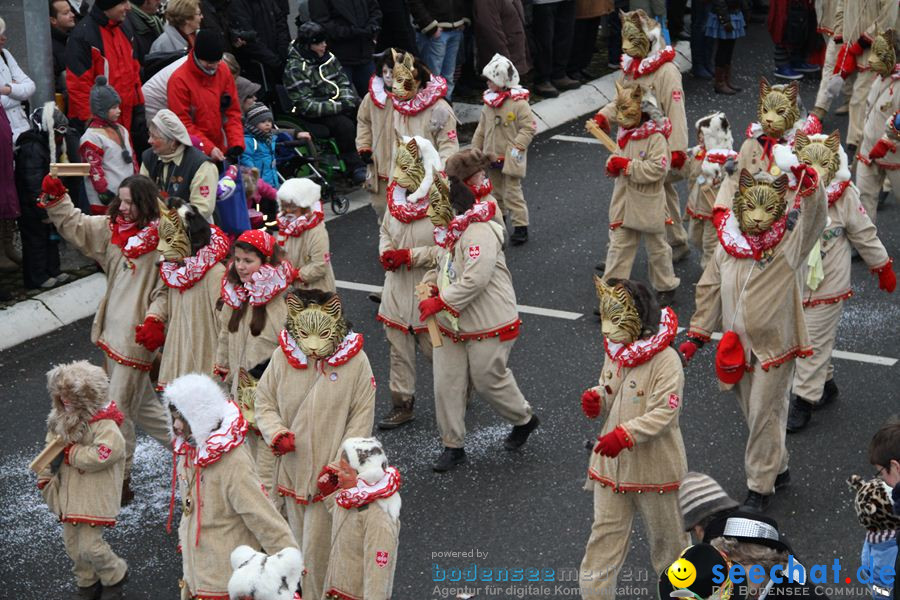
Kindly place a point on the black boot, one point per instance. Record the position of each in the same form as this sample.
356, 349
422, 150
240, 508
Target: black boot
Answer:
115, 592
449, 458
799, 414
375, 297
666, 298
92, 592
402, 412
127, 492
519, 434
783, 479
829, 394
519, 235
756, 502
600, 266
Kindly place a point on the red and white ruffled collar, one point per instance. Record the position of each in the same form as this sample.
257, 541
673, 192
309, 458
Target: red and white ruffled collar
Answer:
263, 286
434, 90
648, 64
481, 212
403, 210
810, 125
133, 242
644, 130
184, 275
110, 411
719, 156
229, 435
642, 350
835, 190
291, 226
742, 245
496, 99
347, 349
365, 493
377, 92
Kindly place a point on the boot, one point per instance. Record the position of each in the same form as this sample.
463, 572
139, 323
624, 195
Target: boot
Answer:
799, 414
402, 412
756, 502
729, 81
449, 458
92, 592
829, 394
519, 434
519, 235
721, 85
6, 239
115, 592
127, 492
8, 235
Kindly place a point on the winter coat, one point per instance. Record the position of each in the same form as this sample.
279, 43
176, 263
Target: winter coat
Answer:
108, 166
639, 198
207, 105
201, 183
880, 108
446, 14
317, 85
170, 40
98, 46
396, 27
9, 202
156, 89
146, 29
374, 131
261, 154
59, 39
428, 115
242, 349
268, 18
351, 27
500, 29
310, 253
502, 128
590, 9
22, 89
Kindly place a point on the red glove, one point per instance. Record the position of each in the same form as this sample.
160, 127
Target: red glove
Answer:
678, 158
66, 451
590, 404
283, 443
392, 260
846, 60
613, 442
53, 188
327, 481
808, 175
601, 122
616, 165
688, 349
887, 279
881, 148
42, 483
221, 372
430, 306
151, 334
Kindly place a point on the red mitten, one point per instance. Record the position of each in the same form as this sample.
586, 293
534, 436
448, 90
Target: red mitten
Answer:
327, 481
601, 122
613, 442
221, 372
590, 404
42, 483
881, 148
688, 349
887, 279
847, 59
430, 306
53, 188
616, 165
283, 443
392, 260
151, 335
806, 176
678, 158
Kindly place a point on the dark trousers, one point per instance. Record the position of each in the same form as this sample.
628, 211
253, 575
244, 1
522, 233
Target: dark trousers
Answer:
701, 46
724, 51
584, 44
40, 246
140, 135
342, 127
359, 76
552, 29
614, 41
675, 17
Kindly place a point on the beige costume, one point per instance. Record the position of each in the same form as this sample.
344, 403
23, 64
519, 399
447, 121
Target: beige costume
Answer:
883, 102
132, 284
505, 125
374, 132
701, 198
638, 208
428, 115
310, 253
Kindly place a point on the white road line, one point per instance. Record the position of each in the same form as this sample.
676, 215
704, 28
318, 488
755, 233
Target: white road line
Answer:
359, 287
574, 138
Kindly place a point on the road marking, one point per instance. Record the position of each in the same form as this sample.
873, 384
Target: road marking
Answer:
574, 138
359, 287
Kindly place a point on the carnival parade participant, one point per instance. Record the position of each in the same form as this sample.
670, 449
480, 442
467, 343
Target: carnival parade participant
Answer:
302, 233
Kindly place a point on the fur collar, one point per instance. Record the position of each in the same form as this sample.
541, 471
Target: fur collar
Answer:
741, 245
228, 436
640, 351
434, 90
496, 99
347, 349
401, 208
365, 493
184, 275
377, 92
264, 285
297, 226
835, 191
481, 212
643, 131
70, 426
649, 64
810, 125
134, 242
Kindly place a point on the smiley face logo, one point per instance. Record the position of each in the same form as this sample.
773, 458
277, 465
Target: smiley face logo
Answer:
682, 573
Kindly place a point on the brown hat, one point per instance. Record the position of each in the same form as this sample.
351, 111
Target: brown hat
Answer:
466, 163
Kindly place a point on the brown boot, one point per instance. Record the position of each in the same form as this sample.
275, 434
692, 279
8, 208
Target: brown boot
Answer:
721, 85
6, 241
127, 492
402, 412
8, 235
730, 81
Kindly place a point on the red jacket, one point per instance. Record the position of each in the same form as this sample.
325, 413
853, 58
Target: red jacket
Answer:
207, 104
98, 46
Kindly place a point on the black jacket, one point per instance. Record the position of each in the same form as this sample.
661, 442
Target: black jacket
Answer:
268, 18
429, 14
59, 39
145, 34
351, 27
396, 27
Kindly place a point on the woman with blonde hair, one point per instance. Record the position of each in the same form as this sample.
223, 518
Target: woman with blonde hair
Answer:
183, 18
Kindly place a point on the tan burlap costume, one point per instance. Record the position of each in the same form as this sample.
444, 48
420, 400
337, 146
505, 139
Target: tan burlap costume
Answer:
375, 133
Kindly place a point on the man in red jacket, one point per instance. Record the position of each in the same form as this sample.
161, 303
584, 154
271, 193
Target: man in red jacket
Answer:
203, 95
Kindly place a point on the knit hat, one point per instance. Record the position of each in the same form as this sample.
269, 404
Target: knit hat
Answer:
209, 45
245, 88
108, 4
260, 240
299, 192
501, 71
171, 126
466, 163
258, 113
699, 497
103, 97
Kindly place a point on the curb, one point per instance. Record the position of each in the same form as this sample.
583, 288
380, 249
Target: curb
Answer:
66, 304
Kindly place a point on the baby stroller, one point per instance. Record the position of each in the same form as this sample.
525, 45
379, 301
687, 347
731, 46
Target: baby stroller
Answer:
299, 158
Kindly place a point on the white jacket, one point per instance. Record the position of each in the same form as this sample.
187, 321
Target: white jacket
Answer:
22, 89
156, 89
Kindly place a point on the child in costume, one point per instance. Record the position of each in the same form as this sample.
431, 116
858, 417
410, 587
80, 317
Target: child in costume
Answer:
878, 158
184, 315
884, 455
872, 502
639, 394
366, 529
259, 143
505, 129
258, 576
317, 391
375, 130
471, 295
124, 242
302, 233
637, 209
223, 503
647, 60
751, 288
106, 146
707, 170
83, 486
407, 250
827, 282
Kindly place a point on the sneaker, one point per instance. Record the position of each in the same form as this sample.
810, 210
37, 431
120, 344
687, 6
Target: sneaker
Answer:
786, 72
783, 479
613, 65
50, 282
799, 414
115, 592
519, 434
829, 394
519, 235
449, 458
546, 90
805, 67
63, 278
566, 83
375, 297
756, 502
359, 175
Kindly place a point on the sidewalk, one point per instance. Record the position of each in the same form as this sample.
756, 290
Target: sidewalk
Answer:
48, 311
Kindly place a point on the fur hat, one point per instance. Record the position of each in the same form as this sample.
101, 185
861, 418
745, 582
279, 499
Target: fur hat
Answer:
103, 97
81, 385
873, 504
501, 71
716, 132
169, 125
261, 577
258, 113
466, 163
201, 402
366, 455
299, 192
209, 45
431, 160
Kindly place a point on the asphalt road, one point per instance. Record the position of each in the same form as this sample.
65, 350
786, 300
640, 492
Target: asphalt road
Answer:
505, 510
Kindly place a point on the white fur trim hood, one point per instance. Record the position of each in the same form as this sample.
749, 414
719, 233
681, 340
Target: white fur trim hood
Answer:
367, 456
716, 132
299, 192
262, 577
502, 72
202, 402
785, 159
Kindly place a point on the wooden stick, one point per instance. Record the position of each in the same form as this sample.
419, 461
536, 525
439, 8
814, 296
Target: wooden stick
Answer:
601, 135
70, 169
50, 452
423, 291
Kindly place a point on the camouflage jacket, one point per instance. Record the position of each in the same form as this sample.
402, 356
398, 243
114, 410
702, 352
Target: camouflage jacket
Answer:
317, 86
